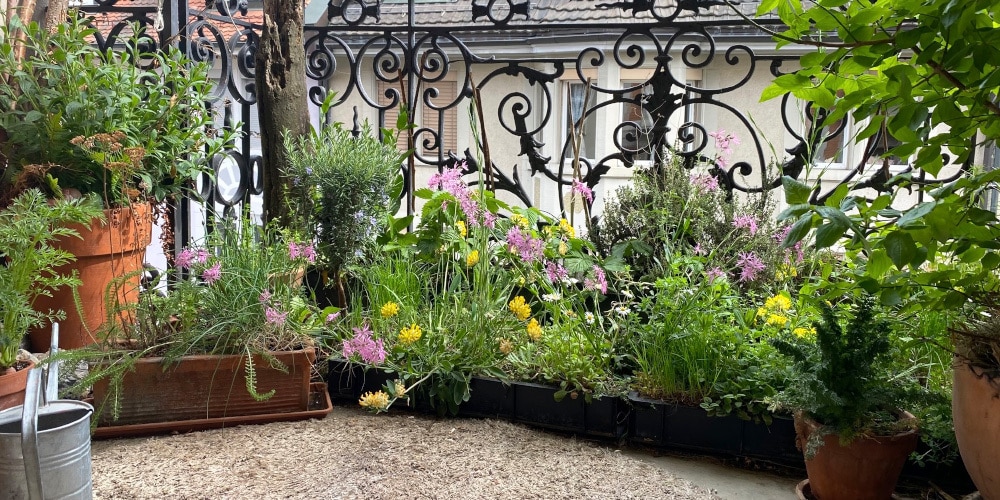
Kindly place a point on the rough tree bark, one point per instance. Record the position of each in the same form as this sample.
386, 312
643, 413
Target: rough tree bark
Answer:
281, 95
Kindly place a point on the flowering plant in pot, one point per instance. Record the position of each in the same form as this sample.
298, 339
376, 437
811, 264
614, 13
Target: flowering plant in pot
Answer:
128, 127
237, 312
28, 268
849, 421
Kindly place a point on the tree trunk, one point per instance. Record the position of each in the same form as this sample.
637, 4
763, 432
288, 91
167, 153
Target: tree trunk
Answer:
281, 95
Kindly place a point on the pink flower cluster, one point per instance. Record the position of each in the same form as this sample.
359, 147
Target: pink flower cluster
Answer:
371, 351
450, 180
212, 274
583, 190
705, 183
751, 265
274, 316
598, 282
522, 243
724, 142
188, 257
714, 274
746, 222
302, 250
556, 272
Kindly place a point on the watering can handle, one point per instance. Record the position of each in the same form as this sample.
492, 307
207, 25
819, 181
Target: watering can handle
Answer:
29, 434
52, 371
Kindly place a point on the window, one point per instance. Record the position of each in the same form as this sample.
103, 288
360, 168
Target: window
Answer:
637, 138
575, 108
838, 149
425, 117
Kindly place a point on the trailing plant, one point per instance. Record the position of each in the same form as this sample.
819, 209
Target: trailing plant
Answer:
30, 264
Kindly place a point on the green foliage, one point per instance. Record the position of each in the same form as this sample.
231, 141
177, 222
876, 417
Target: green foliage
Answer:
67, 90
338, 189
842, 380
669, 209
29, 262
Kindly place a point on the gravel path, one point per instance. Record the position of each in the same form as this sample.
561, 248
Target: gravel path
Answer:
353, 454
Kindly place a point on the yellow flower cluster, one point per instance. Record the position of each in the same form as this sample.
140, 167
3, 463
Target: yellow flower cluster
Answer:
778, 320
520, 309
774, 309
410, 334
534, 329
472, 259
389, 309
375, 401
519, 220
563, 248
566, 228
399, 388
804, 332
462, 231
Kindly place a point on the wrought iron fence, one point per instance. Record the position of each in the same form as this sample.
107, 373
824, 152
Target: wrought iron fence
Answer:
536, 74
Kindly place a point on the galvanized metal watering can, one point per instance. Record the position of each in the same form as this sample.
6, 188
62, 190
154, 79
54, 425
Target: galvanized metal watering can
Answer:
45, 443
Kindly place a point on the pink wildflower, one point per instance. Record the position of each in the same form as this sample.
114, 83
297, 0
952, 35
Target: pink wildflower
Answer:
450, 181
371, 351
750, 264
293, 250
714, 273
780, 235
724, 142
274, 317
555, 272
600, 281
698, 250
202, 256
309, 252
583, 190
705, 183
332, 316
746, 222
265, 296
185, 258
529, 248
212, 274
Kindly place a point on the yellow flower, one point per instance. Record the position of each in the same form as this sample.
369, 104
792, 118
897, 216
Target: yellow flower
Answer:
563, 248
778, 303
399, 388
520, 309
506, 346
776, 320
519, 220
462, 231
389, 309
804, 332
472, 259
566, 228
375, 401
534, 329
410, 334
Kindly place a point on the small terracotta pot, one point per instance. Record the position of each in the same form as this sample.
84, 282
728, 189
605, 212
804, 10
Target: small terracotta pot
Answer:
105, 254
12, 387
975, 406
866, 469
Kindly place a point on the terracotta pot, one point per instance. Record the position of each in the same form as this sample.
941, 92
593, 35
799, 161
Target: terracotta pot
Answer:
12, 387
975, 406
105, 254
206, 387
866, 469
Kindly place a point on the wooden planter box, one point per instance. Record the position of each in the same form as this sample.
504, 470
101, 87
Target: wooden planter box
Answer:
206, 387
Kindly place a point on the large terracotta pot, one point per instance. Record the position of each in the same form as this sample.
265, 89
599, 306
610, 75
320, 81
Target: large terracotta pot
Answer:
975, 406
866, 469
105, 254
204, 387
12, 387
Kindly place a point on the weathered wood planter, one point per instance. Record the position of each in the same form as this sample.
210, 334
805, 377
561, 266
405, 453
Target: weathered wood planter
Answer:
206, 387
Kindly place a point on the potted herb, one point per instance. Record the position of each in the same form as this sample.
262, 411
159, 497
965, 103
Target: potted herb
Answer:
29, 264
233, 337
338, 191
130, 128
848, 420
